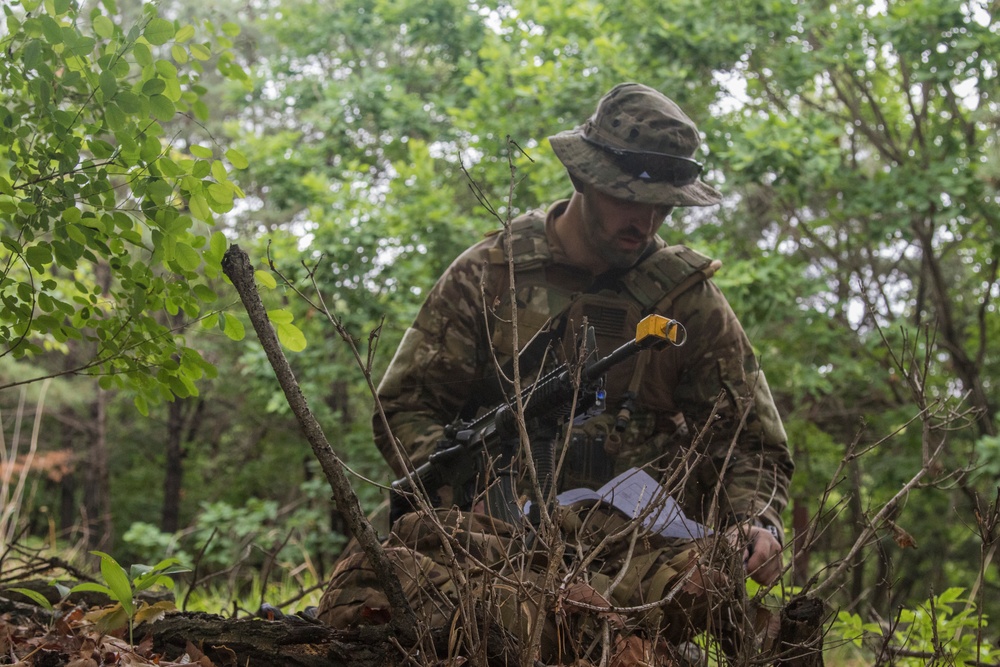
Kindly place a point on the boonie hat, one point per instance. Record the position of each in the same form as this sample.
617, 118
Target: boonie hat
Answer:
638, 146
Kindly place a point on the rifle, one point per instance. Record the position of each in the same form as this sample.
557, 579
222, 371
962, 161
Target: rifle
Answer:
459, 458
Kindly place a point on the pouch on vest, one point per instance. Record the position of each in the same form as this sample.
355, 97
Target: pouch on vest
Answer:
614, 320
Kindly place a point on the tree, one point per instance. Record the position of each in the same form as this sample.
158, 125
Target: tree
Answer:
861, 149
107, 215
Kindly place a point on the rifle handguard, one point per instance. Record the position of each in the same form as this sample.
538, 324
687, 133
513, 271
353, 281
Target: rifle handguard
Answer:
550, 401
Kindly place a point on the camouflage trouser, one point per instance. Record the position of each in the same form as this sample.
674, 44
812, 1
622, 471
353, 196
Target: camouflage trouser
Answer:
665, 587
639, 583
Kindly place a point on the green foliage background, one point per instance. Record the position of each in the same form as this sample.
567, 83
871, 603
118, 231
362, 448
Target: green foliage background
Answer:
856, 144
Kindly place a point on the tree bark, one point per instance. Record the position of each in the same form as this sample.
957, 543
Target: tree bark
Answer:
173, 467
291, 643
800, 640
181, 431
68, 506
97, 490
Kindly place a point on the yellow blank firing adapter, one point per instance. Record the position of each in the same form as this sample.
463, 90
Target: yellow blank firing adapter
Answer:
654, 329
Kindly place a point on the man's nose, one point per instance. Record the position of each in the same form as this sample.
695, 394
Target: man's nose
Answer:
640, 216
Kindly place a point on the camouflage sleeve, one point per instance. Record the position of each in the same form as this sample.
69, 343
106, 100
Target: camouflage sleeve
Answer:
436, 365
725, 396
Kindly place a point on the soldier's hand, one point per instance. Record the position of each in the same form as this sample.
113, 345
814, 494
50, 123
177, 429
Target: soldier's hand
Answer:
763, 556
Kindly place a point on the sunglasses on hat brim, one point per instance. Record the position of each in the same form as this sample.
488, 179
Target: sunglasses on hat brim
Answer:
652, 167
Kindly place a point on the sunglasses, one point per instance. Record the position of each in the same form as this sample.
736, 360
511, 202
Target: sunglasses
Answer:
652, 167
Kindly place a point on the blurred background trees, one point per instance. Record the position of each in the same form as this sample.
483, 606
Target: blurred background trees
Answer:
856, 144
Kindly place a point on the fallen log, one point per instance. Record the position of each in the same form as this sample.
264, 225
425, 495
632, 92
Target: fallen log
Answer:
299, 641
292, 642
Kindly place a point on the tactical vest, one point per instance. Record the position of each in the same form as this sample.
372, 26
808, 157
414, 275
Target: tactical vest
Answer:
555, 309
651, 286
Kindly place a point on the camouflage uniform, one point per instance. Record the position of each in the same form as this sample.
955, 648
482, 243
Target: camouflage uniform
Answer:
447, 357
699, 416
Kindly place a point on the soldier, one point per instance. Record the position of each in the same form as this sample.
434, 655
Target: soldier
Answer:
704, 407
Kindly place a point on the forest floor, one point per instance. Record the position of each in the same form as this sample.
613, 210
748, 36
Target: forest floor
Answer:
70, 639
74, 636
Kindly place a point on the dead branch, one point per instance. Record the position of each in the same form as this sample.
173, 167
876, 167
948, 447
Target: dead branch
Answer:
236, 265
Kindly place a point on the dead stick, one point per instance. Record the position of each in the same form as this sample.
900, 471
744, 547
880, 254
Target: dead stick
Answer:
236, 265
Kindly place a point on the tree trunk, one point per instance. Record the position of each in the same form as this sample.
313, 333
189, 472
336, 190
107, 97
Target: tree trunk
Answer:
97, 491
68, 506
173, 467
181, 431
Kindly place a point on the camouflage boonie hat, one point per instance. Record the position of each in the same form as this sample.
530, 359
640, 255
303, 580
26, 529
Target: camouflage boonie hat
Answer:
637, 146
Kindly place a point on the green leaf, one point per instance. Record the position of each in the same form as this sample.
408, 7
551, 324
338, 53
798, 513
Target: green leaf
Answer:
237, 159
51, 30
184, 33
72, 215
130, 102
200, 52
166, 69
90, 587
205, 293
219, 194
142, 54
35, 596
201, 111
114, 116
178, 53
103, 26
219, 172
218, 244
291, 337
39, 256
280, 316
200, 151
158, 31
161, 107
187, 257
232, 327
117, 580
11, 244
265, 279
76, 234
199, 207
144, 576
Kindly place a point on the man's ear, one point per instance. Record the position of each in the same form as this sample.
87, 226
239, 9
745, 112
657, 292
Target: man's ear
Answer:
664, 211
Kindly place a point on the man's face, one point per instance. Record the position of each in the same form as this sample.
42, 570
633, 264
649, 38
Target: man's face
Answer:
618, 231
